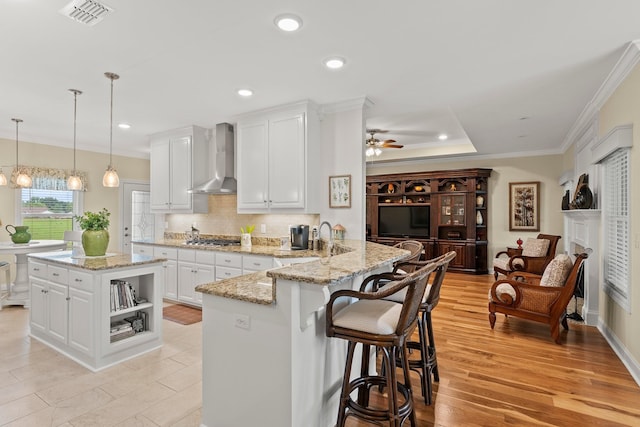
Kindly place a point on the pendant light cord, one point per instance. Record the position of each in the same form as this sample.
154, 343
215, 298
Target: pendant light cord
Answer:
75, 109
111, 127
17, 123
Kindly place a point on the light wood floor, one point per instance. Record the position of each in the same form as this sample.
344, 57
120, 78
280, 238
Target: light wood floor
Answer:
514, 375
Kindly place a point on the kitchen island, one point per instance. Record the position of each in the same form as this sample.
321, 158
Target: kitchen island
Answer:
82, 306
266, 359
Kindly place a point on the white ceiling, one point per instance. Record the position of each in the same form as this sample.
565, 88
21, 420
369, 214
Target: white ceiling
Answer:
469, 68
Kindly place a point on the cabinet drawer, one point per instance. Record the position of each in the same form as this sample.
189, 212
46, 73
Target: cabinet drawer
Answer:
58, 274
206, 257
256, 263
142, 249
227, 272
229, 260
164, 252
37, 269
80, 280
188, 255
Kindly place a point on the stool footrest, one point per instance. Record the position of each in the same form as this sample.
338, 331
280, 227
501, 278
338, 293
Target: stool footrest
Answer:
372, 414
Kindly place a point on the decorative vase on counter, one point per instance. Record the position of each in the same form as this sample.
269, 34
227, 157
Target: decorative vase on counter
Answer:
479, 219
245, 240
95, 242
20, 233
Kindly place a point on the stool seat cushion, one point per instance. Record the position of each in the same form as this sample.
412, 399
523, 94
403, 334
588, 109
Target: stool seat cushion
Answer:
400, 295
371, 316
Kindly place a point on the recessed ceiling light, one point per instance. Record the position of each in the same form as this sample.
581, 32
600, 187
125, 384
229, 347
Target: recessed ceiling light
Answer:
288, 22
124, 125
334, 63
245, 92
442, 137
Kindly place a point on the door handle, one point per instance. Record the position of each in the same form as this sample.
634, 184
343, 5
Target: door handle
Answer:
126, 234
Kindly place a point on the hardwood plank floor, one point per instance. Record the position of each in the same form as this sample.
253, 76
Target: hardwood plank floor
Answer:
514, 375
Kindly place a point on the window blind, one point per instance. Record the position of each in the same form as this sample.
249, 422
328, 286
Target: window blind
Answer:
616, 223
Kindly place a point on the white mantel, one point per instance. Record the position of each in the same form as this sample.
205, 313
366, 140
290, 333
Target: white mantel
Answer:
582, 228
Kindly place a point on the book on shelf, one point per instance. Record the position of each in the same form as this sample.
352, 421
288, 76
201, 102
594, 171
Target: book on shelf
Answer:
122, 295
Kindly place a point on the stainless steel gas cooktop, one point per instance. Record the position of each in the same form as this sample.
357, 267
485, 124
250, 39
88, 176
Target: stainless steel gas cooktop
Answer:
212, 242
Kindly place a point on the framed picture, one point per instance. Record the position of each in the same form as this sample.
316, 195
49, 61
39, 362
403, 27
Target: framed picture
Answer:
524, 206
340, 191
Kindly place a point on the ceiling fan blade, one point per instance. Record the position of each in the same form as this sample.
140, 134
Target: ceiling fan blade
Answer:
385, 145
386, 141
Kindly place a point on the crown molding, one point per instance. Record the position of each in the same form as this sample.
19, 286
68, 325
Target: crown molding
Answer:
347, 105
628, 60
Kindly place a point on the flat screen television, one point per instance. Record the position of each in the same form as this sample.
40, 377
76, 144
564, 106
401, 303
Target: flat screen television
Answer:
403, 221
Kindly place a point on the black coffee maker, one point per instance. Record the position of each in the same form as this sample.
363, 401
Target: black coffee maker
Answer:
299, 237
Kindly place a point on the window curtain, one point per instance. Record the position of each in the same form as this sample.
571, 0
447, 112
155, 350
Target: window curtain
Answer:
48, 178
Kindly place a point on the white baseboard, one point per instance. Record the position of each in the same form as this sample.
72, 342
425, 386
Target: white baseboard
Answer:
627, 358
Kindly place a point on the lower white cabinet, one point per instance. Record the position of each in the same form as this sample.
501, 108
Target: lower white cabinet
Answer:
195, 267
253, 263
71, 310
171, 270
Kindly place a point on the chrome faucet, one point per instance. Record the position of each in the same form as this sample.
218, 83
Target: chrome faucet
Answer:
330, 245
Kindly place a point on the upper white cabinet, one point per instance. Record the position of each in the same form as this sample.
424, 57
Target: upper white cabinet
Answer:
179, 158
278, 160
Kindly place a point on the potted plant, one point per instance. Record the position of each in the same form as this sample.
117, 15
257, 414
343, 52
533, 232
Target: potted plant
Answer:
245, 235
95, 237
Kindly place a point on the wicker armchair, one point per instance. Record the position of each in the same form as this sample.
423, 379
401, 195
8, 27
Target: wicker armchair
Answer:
503, 264
540, 298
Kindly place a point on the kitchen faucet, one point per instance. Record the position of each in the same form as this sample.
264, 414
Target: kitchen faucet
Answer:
330, 245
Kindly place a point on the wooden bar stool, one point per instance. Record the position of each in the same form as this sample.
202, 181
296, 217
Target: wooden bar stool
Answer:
427, 365
372, 320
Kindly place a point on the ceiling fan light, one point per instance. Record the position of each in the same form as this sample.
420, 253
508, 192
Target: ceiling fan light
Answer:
288, 22
110, 178
377, 151
369, 152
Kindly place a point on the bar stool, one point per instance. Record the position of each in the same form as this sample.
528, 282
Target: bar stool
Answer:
416, 248
5, 267
427, 365
372, 320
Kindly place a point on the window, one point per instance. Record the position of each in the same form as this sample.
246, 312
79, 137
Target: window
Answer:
616, 223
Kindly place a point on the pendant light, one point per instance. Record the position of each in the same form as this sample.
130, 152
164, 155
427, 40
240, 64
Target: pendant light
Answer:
74, 182
110, 178
3, 178
23, 180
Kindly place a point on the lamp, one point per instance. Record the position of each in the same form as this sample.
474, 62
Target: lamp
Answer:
3, 178
110, 178
23, 180
74, 182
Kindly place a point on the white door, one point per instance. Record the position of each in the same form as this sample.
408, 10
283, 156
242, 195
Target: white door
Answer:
138, 223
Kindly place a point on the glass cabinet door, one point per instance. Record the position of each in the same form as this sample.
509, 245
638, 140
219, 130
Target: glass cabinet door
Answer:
452, 210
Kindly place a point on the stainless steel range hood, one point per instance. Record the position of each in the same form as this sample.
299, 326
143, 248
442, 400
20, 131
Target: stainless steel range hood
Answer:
222, 180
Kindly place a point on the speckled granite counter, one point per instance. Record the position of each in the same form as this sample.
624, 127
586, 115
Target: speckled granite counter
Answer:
357, 258
110, 261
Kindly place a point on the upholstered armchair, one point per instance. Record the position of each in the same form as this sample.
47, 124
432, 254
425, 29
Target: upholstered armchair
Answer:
536, 254
538, 298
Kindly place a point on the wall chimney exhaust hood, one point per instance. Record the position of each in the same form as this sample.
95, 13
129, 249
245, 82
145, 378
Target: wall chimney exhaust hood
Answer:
222, 180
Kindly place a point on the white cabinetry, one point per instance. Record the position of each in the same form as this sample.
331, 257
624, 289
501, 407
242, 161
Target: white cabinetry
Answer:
179, 158
194, 268
171, 270
277, 160
228, 265
253, 263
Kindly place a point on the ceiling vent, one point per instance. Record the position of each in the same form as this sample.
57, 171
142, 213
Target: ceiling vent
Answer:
87, 12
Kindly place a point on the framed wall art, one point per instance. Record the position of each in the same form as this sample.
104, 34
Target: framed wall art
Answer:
524, 206
340, 191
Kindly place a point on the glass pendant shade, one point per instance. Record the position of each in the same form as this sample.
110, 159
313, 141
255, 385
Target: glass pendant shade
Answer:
3, 178
110, 178
74, 183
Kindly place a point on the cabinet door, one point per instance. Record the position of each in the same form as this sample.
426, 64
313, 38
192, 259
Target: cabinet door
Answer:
287, 162
81, 315
252, 156
186, 280
459, 261
57, 314
38, 310
180, 173
204, 274
160, 175
171, 280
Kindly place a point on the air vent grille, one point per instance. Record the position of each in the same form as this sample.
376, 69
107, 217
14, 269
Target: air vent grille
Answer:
87, 12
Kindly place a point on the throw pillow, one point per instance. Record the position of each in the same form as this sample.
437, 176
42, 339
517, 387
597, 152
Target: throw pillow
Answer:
557, 271
535, 247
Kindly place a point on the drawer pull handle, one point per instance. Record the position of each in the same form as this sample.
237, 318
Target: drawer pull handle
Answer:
227, 260
36, 269
256, 263
78, 280
227, 274
55, 274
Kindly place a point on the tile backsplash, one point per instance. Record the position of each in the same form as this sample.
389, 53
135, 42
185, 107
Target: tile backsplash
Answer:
223, 219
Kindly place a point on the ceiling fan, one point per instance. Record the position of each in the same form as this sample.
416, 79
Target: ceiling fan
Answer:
375, 146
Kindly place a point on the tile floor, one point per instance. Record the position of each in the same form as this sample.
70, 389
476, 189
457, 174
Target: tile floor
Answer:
40, 387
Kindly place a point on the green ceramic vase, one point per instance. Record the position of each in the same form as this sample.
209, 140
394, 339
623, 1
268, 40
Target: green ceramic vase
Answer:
20, 233
95, 242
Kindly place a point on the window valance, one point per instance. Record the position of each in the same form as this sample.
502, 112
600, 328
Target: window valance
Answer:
48, 178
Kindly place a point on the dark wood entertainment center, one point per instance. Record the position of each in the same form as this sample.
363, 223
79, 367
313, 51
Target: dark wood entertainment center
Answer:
458, 220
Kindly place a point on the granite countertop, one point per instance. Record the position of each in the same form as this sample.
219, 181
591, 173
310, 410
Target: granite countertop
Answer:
354, 258
107, 262
261, 248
